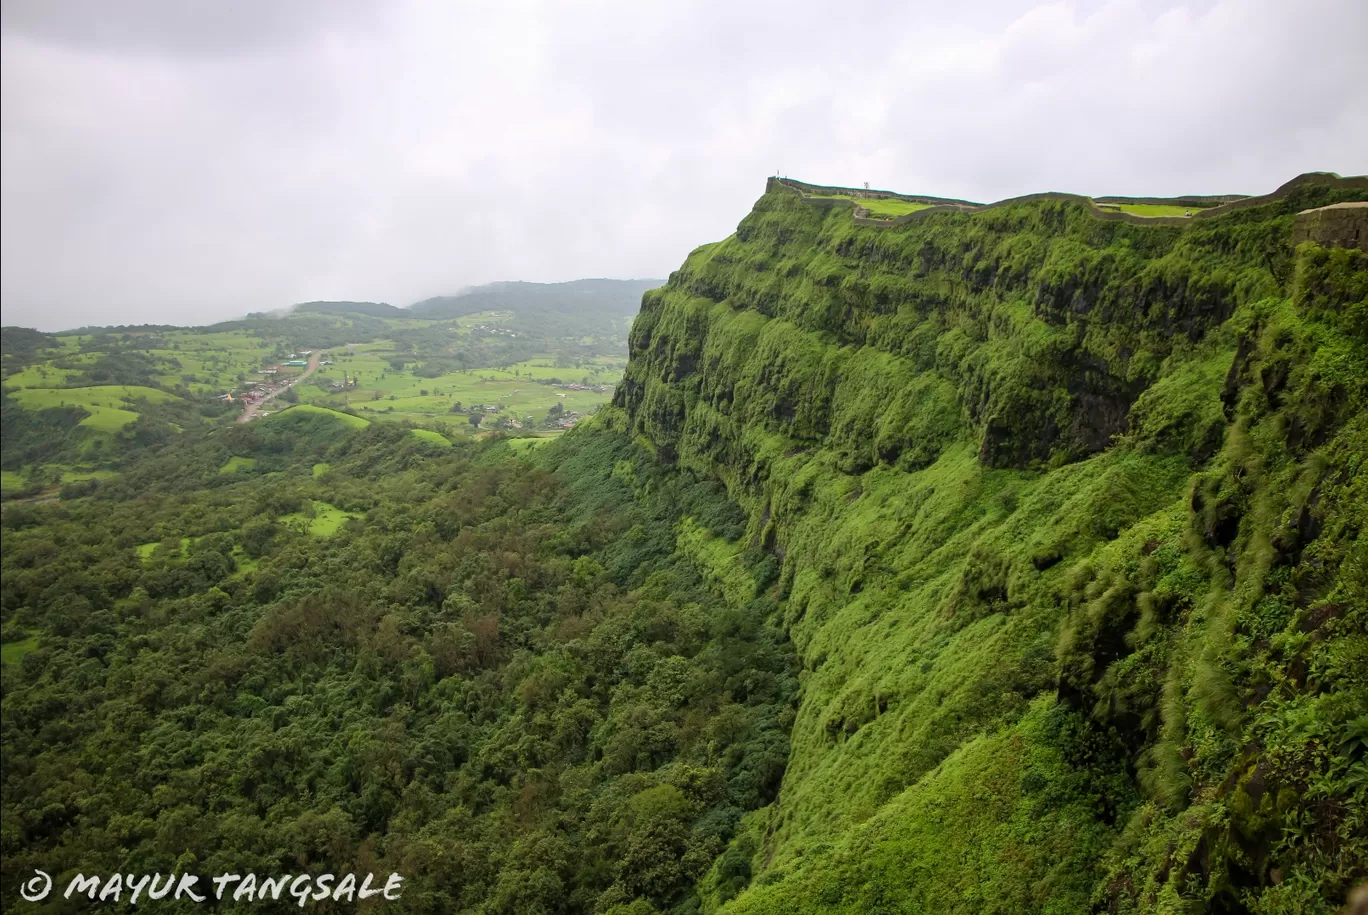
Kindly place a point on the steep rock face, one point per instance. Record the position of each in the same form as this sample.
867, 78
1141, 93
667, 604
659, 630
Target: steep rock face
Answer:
1047, 323
1070, 514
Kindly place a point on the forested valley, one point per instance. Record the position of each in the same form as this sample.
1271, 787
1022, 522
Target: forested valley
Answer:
500, 678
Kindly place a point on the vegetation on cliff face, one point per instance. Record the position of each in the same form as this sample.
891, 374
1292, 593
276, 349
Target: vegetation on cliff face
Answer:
1071, 516
1012, 561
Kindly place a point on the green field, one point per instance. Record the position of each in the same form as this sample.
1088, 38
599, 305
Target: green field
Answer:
380, 392
432, 373
40, 376
51, 475
890, 206
880, 206
326, 520
78, 476
186, 359
13, 652
146, 550
484, 317
1157, 209
109, 405
213, 363
237, 464
245, 564
893, 207
354, 422
524, 445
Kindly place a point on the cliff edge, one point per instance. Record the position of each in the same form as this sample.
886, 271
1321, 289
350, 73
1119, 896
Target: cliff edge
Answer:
1070, 512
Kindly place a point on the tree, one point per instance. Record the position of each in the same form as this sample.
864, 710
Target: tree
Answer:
256, 536
475, 419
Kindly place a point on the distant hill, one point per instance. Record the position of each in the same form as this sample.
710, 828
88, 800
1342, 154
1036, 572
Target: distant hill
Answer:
579, 308
374, 309
578, 299
19, 345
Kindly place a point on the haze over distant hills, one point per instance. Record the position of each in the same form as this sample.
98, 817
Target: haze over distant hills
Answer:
593, 296
599, 301
374, 309
595, 300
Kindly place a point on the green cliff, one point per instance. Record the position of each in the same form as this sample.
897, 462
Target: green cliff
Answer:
1071, 514
978, 559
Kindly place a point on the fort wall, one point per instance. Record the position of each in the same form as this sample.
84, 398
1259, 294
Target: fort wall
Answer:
1340, 225
943, 205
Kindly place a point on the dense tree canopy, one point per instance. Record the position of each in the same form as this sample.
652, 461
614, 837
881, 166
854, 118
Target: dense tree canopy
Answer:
497, 678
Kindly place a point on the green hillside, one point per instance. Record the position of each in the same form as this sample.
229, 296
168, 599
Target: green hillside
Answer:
305, 415
1005, 560
86, 400
1068, 511
595, 306
374, 309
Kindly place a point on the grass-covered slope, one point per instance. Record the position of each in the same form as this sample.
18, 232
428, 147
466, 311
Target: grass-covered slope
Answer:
1071, 517
86, 401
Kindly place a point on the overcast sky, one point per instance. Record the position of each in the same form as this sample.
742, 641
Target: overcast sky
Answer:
184, 161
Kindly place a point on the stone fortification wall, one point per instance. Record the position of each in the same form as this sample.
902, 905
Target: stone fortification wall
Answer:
943, 205
1199, 201
1340, 225
822, 191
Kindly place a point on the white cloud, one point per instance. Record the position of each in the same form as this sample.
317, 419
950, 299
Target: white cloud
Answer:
191, 165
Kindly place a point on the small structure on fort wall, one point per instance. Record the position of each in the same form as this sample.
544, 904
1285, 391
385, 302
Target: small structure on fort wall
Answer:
1340, 225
